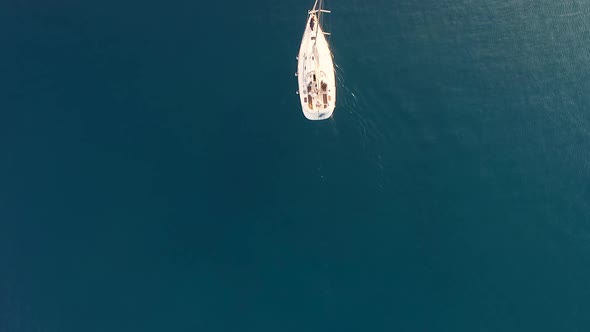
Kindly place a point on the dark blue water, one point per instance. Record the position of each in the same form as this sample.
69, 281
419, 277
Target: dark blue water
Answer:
157, 174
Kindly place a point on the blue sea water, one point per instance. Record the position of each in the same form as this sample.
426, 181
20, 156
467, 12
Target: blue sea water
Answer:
156, 171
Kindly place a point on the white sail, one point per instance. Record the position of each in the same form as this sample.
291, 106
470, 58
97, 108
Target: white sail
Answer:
315, 69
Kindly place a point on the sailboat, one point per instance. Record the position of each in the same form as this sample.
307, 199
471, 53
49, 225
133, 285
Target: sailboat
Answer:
315, 68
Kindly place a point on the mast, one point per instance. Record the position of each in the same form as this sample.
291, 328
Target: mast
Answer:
320, 27
317, 10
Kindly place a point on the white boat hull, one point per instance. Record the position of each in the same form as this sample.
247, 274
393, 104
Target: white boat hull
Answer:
315, 73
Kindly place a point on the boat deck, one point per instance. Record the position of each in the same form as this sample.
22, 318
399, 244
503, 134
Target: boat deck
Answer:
315, 73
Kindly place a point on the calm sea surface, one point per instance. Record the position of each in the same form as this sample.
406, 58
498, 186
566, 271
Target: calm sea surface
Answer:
157, 173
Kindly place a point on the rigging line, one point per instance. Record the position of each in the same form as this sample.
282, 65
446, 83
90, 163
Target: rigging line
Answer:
330, 35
